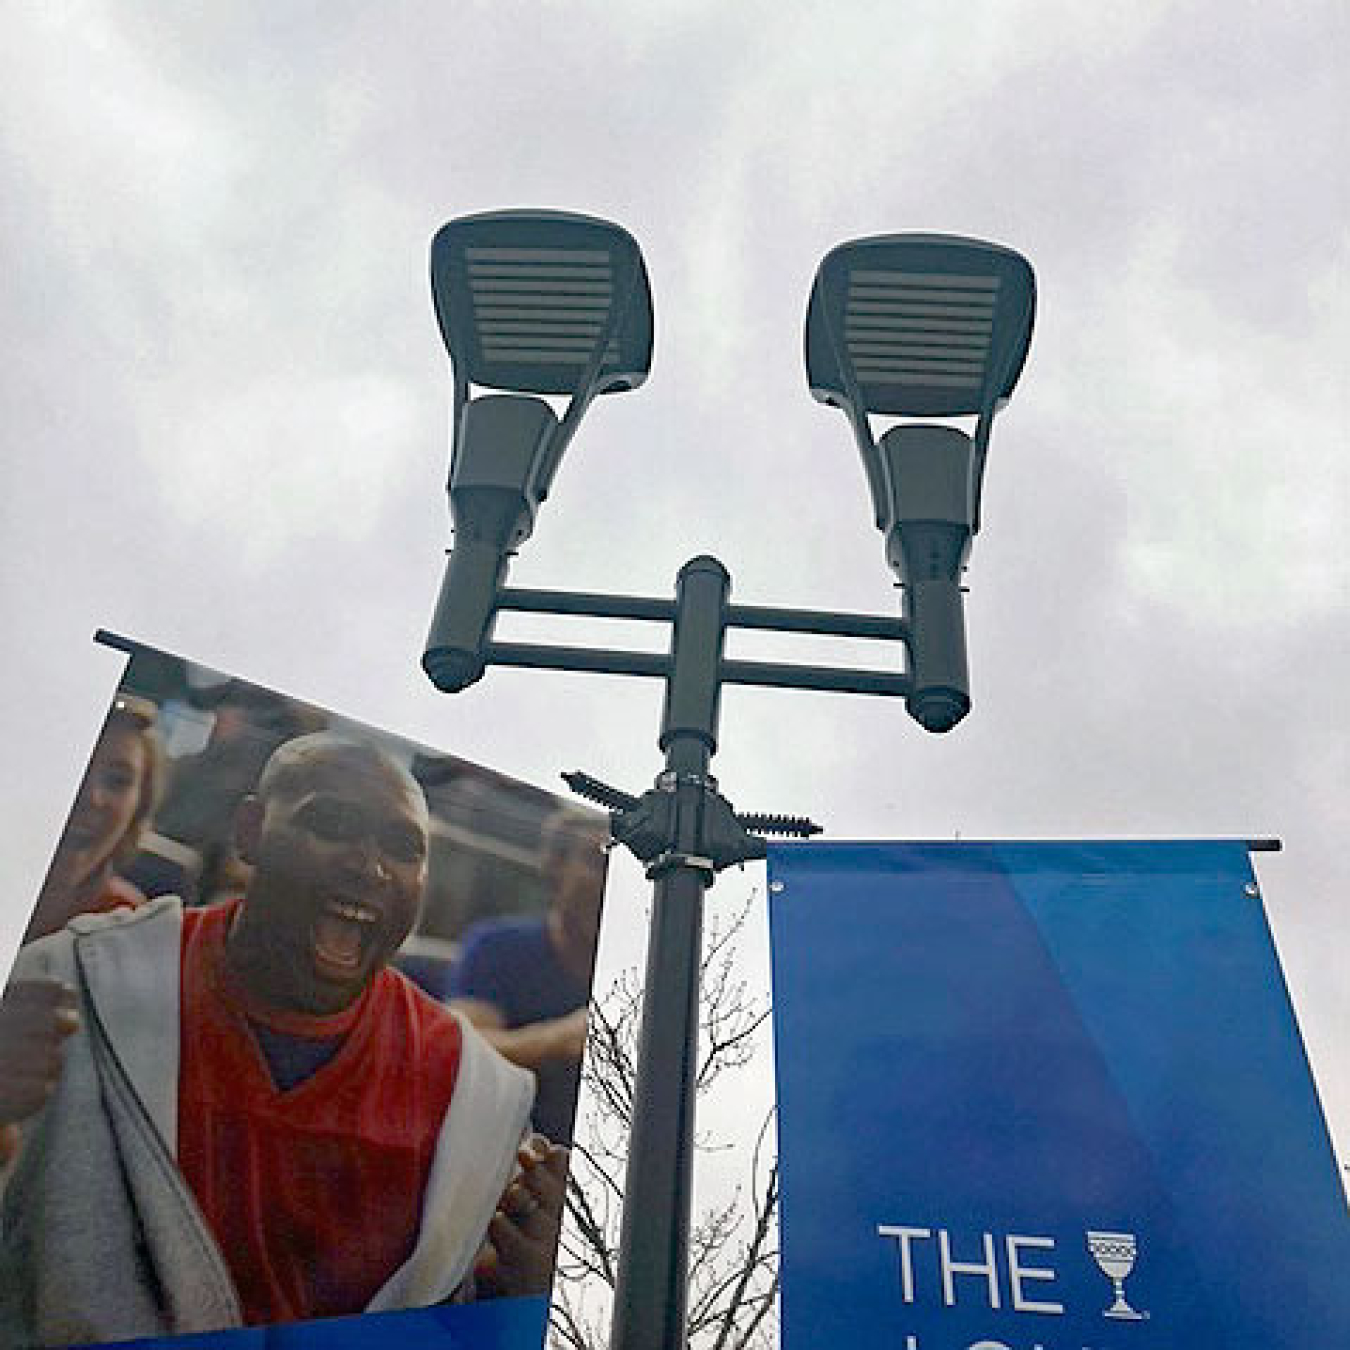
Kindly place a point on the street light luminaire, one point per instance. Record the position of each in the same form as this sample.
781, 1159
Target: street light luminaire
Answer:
926, 326
523, 299
538, 303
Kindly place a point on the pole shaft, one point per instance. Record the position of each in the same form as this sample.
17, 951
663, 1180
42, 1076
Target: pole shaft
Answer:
650, 1299
693, 692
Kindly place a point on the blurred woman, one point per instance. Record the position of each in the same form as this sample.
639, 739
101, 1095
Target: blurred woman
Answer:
111, 812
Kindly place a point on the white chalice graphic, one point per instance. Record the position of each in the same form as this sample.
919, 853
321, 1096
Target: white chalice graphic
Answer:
1114, 1254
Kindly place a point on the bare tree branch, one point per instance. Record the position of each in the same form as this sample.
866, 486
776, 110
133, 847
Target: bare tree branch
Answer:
733, 1281
592, 1230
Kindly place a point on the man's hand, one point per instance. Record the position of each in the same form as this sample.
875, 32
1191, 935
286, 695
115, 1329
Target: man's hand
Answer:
517, 1258
36, 1016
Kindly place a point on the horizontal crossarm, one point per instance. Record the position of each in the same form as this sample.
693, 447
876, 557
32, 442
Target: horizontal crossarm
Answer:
773, 618
830, 679
593, 660
603, 661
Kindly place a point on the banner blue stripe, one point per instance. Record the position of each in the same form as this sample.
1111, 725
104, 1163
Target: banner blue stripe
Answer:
506, 1324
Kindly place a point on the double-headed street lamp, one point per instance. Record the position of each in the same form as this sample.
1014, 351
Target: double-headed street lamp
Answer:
548, 304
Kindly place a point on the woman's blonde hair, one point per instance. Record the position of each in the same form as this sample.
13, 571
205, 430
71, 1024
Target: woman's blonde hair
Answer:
139, 716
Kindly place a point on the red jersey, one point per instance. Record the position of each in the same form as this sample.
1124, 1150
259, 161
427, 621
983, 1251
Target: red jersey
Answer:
314, 1194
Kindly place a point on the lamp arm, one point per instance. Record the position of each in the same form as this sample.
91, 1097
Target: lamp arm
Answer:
458, 400
871, 458
981, 453
561, 437
995, 383
583, 395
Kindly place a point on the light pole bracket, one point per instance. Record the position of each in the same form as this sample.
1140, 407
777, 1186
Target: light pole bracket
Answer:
645, 825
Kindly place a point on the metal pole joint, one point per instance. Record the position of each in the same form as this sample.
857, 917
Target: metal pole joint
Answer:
669, 861
670, 780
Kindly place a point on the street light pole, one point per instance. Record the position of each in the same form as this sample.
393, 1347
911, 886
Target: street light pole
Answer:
549, 304
685, 831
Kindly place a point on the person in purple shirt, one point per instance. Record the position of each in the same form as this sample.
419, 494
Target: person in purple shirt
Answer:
525, 982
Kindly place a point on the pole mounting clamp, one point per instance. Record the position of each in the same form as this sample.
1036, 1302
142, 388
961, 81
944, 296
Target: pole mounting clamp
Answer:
670, 860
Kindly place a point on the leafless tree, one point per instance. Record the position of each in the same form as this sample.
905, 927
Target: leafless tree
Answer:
733, 1250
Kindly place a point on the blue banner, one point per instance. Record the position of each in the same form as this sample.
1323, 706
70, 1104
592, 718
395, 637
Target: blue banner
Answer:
510, 1324
1045, 1097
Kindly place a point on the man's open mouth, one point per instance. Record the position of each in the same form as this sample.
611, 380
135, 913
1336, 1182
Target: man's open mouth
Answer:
342, 933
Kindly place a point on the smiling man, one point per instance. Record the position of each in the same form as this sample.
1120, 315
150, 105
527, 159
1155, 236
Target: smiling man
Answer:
254, 1118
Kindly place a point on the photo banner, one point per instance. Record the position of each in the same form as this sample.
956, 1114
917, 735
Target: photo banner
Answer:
290, 1053
1045, 1096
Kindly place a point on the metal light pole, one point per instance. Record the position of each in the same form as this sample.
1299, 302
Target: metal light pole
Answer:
552, 304
650, 1302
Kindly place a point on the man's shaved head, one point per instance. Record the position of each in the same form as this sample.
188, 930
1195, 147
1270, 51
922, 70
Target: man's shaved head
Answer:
297, 763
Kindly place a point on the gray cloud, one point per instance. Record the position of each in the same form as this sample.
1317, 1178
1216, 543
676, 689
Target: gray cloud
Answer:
226, 399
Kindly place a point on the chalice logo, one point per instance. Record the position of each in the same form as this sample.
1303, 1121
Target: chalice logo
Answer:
1114, 1254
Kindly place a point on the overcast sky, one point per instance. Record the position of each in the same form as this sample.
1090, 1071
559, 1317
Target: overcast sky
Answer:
225, 398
